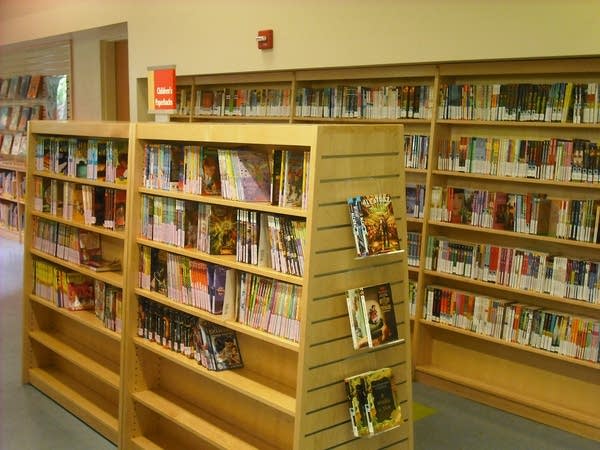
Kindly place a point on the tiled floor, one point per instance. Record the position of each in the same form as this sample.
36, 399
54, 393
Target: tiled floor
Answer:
31, 421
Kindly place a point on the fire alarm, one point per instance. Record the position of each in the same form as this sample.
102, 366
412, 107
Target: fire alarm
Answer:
265, 39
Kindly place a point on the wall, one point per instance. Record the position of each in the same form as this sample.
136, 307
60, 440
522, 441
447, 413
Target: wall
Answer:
203, 37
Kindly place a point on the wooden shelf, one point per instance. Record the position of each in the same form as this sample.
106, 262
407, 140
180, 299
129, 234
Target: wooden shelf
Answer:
112, 278
70, 355
524, 236
78, 399
193, 419
526, 348
86, 181
87, 318
218, 200
87, 360
223, 260
265, 391
95, 228
551, 408
305, 409
233, 325
517, 180
500, 287
508, 123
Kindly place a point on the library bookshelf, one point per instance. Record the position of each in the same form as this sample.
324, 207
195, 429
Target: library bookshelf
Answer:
288, 394
73, 356
545, 385
555, 383
12, 197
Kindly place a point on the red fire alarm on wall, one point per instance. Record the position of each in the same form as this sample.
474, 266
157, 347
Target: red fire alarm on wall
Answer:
265, 39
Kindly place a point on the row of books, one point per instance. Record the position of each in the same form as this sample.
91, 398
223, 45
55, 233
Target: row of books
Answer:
21, 87
562, 333
185, 280
413, 247
416, 151
529, 270
373, 224
108, 305
372, 316
10, 216
267, 240
365, 102
71, 244
92, 159
211, 345
279, 176
565, 102
90, 205
15, 118
559, 159
64, 288
269, 305
13, 144
242, 102
9, 184
531, 213
415, 200
373, 404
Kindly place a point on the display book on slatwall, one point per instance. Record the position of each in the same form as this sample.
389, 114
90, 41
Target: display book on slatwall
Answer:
74, 253
511, 251
272, 293
373, 405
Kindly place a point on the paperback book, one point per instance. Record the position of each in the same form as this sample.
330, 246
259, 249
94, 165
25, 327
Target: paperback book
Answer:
373, 404
372, 316
373, 224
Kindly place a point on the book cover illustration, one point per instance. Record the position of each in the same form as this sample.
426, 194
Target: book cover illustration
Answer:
379, 312
211, 177
222, 230
377, 215
224, 348
293, 179
255, 175
384, 412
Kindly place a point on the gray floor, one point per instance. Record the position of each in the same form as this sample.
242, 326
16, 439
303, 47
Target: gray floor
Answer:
31, 421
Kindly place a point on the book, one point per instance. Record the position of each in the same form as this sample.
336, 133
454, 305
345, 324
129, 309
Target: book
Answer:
6, 144
80, 292
384, 411
355, 390
34, 86
222, 230
224, 346
377, 215
378, 309
373, 404
358, 320
211, 177
293, 176
254, 174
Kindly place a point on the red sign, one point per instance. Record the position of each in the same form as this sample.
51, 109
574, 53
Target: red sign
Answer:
161, 89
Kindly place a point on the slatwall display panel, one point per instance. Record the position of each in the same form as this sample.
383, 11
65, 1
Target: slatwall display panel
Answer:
353, 164
51, 58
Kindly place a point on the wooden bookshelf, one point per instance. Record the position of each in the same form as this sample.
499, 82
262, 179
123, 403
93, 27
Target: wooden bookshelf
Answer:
12, 197
72, 356
288, 395
542, 385
564, 396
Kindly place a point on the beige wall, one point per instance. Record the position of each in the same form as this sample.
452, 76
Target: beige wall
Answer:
218, 36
